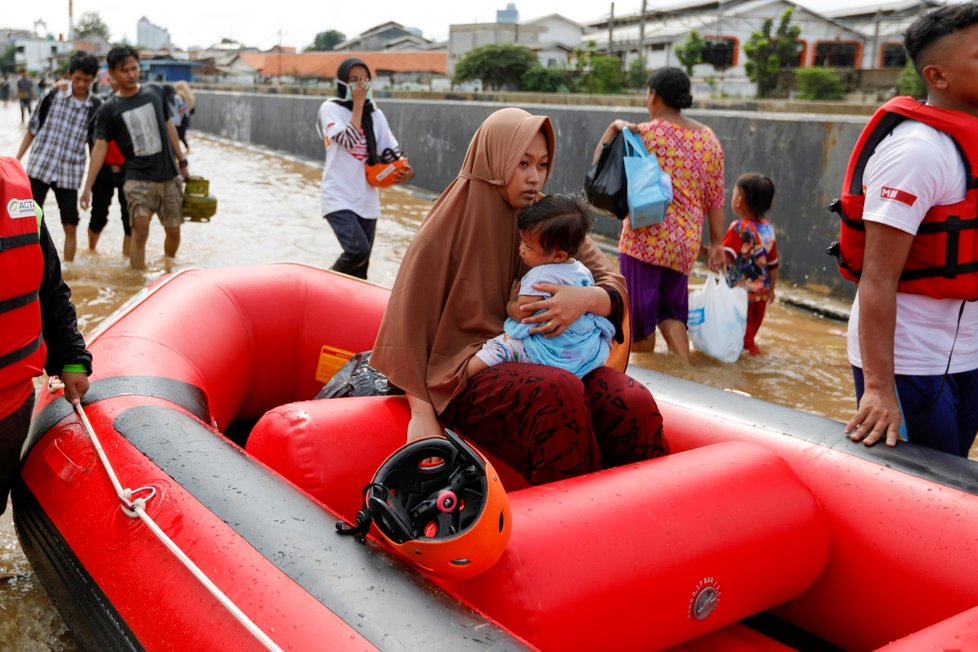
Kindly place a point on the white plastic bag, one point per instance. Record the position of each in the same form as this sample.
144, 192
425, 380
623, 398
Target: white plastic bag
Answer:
718, 319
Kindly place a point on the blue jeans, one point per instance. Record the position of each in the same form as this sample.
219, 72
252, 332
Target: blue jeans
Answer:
941, 412
356, 236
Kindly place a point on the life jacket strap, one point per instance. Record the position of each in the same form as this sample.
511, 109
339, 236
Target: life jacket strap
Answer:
18, 302
14, 241
21, 353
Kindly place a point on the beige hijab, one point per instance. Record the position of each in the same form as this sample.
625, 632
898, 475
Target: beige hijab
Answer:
183, 88
452, 287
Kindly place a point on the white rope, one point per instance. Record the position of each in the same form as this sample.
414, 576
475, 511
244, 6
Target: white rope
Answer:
137, 508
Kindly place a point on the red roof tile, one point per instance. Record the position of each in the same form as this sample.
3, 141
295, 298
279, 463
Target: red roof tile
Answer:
323, 65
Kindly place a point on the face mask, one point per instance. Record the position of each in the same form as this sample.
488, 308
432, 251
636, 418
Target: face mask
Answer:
349, 96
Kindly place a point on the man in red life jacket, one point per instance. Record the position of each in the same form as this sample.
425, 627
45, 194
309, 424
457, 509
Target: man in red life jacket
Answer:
913, 338
37, 319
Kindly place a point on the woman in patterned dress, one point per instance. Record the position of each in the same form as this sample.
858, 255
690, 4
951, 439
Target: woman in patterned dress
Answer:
656, 260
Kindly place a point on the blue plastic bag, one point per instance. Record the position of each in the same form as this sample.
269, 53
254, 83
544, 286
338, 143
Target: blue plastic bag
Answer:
649, 188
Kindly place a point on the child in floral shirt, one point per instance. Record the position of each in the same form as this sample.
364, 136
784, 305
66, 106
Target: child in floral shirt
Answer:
751, 249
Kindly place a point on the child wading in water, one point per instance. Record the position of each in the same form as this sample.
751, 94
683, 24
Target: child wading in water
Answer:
551, 232
752, 251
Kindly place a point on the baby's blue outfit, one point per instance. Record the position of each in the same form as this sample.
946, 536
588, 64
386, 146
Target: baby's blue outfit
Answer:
581, 348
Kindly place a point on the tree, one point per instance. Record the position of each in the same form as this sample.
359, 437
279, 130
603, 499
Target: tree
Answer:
819, 84
690, 52
598, 73
909, 82
326, 41
91, 24
501, 65
767, 53
545, 80
638, 74
8, 60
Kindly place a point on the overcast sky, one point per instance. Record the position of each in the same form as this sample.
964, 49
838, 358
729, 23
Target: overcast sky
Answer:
204, 22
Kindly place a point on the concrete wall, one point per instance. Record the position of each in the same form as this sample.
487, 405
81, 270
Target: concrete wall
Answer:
806, 155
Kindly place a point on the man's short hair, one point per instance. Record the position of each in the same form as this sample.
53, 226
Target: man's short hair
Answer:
935, 25
86, 63
119, 54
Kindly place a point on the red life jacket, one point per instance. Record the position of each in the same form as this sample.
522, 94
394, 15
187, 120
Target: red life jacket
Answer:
22, 349
943, 259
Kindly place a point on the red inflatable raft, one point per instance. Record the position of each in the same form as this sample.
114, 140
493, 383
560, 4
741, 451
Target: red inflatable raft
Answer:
766, 529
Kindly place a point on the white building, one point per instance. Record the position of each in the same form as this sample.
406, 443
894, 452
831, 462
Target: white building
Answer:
553, 38
728, 24
152, 36
561, 36
38, 55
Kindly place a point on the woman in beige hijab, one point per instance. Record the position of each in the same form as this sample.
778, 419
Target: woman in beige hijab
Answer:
450, 297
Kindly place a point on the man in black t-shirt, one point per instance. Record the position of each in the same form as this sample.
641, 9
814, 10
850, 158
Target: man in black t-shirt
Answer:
138, 119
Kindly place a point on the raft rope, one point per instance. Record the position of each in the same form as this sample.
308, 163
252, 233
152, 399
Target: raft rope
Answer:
136, 508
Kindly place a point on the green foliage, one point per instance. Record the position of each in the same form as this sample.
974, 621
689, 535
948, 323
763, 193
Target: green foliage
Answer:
501, 65
819, 84
91, 24
638, 74
8, 59
690, 52
325, 41
598, 73
768, 53
910, 83
545, 80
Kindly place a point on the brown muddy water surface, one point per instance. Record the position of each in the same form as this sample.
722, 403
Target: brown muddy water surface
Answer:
268, 211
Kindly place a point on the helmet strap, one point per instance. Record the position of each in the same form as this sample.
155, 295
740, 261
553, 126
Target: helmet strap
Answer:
363, 518
360, 529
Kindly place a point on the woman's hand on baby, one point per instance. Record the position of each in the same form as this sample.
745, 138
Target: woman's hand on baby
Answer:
552, 315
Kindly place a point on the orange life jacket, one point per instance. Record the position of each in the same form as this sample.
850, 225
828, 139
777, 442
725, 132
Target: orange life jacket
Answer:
22, 350
943, 259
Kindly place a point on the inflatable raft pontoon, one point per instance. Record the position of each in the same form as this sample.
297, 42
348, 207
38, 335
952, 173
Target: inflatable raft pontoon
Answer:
765, 529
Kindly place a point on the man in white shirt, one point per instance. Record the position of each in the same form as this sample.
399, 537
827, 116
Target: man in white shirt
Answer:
915, 357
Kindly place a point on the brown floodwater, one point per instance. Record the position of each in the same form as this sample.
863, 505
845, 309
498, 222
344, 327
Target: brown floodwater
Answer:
268, 211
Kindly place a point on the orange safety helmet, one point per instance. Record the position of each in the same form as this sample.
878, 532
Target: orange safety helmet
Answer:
384, 174
450, 518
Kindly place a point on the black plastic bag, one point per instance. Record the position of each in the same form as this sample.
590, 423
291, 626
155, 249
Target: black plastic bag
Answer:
605, 185
358, 378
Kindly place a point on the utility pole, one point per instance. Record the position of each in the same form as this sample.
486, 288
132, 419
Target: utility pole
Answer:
611, 27
71, 21
874, 58
641, 32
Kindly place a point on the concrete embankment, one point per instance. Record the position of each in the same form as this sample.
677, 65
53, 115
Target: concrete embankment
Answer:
805, 154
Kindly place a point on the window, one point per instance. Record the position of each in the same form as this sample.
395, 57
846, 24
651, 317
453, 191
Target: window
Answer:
802, 50
837, 54
892, 55
720, 52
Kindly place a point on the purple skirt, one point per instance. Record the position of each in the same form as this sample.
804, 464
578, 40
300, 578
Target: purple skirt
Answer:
655, 294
